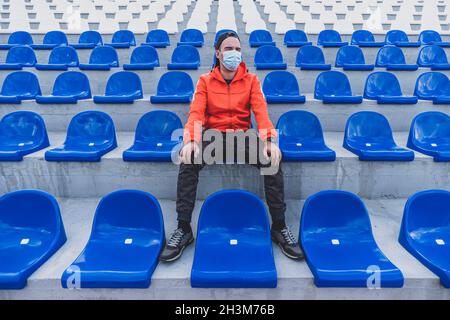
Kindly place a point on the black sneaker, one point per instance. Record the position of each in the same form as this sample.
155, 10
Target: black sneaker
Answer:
287, 243
175, 246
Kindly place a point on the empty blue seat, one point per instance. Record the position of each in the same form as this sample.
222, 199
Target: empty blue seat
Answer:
143, 58
233, 248
334, 87
392, 58
301, 137
157, 38
31, 231
122, 39
433, 86
336, 235
123, 249
101, 58
330, 38
425, 231
430, 135
153, 139
18, 86
17, 38
365, 38
18, 57
428, 37
384, 87
311, 58
352, 58
296, 38
192, 37
69, 87
269, 57
122, 87
369, 136
51, 40
282, 87
400, 38
88, 40
174, 87
184, 57
21, 133
260, 38
90, 135
61, 58
433, 57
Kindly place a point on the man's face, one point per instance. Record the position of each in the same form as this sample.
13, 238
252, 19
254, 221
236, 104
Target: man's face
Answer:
229, 44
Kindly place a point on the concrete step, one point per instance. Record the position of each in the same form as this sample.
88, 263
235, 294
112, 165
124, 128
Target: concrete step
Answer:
377, 179
171, 281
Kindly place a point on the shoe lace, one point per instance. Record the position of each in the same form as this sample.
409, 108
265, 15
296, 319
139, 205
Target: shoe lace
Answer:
288, 236
176, 237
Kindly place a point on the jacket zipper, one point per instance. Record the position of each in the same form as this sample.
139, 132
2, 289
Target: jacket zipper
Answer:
229, 106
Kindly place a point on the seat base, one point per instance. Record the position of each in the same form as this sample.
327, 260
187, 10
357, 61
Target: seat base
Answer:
314, 66
56, 99
183, 66
342, 99
358, 67
139, 66
105, 67
402, 67
272, 99
295, 44
114, 99
397, 100
170, 99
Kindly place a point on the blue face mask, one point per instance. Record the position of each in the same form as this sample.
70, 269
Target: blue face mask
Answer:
232, 59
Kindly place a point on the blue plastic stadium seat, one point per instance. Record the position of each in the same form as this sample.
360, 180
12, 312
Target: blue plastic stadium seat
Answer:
51, 40
122, 87
184, 57
334, 87
157, 38
18, 86
330, 38
400, 38
17, 38
428, 37
61, 58
218, 33
282, 87
384, 87
392, 58
174, 87
122, 39
123, 249
18, 57
336, 235
365, 38
369, 136
192, 37
153, 139
425, 231
143, 58
69, 87
90, 135
31, 231
101, 58
296, 38
269, 57
233, 248
21, 133
430, 135
260, 38
433, 86
88, 40
352, 58
433, 57
301, 137
311, 58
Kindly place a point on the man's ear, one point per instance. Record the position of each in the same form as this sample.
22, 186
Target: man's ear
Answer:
217, 54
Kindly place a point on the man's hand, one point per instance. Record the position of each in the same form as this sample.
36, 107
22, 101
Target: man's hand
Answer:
187, 150
272, 151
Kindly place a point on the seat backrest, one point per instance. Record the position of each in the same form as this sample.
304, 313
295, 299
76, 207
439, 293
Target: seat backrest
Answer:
349, 54
72, 83
260, 36
281, 82
429, 55
23, 125
157, 35
55, 37
362, 36
145, 54
91, 36
175, 82
21, 83
21, 54
157, 125
390, 54
124, 36
185, 53
63, 55
268, 54
429, 37
104, 54
381, 83
368, 126
328, 36
393, 36
20, 37
332, 83
91, 126
295, 35
310, 54
431, 84
429, 126
300, 125
191, 35
124, 82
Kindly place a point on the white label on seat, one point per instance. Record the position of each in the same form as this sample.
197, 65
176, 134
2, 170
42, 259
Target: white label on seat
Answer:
21, 144
91, 144
434, 145
368, 144
159, 144
128, 241
233, 242
440, 242
299, 144
335, 242
24, 241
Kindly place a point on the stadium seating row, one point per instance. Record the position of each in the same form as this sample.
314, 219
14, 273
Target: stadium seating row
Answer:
233, 248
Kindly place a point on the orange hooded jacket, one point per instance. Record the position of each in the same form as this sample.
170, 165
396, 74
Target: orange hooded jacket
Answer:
217, 105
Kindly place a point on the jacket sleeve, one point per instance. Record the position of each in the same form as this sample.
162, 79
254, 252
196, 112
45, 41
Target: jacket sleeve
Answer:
196, 118
259, 107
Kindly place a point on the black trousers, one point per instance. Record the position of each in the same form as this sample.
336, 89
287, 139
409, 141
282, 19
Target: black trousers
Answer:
189, 173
